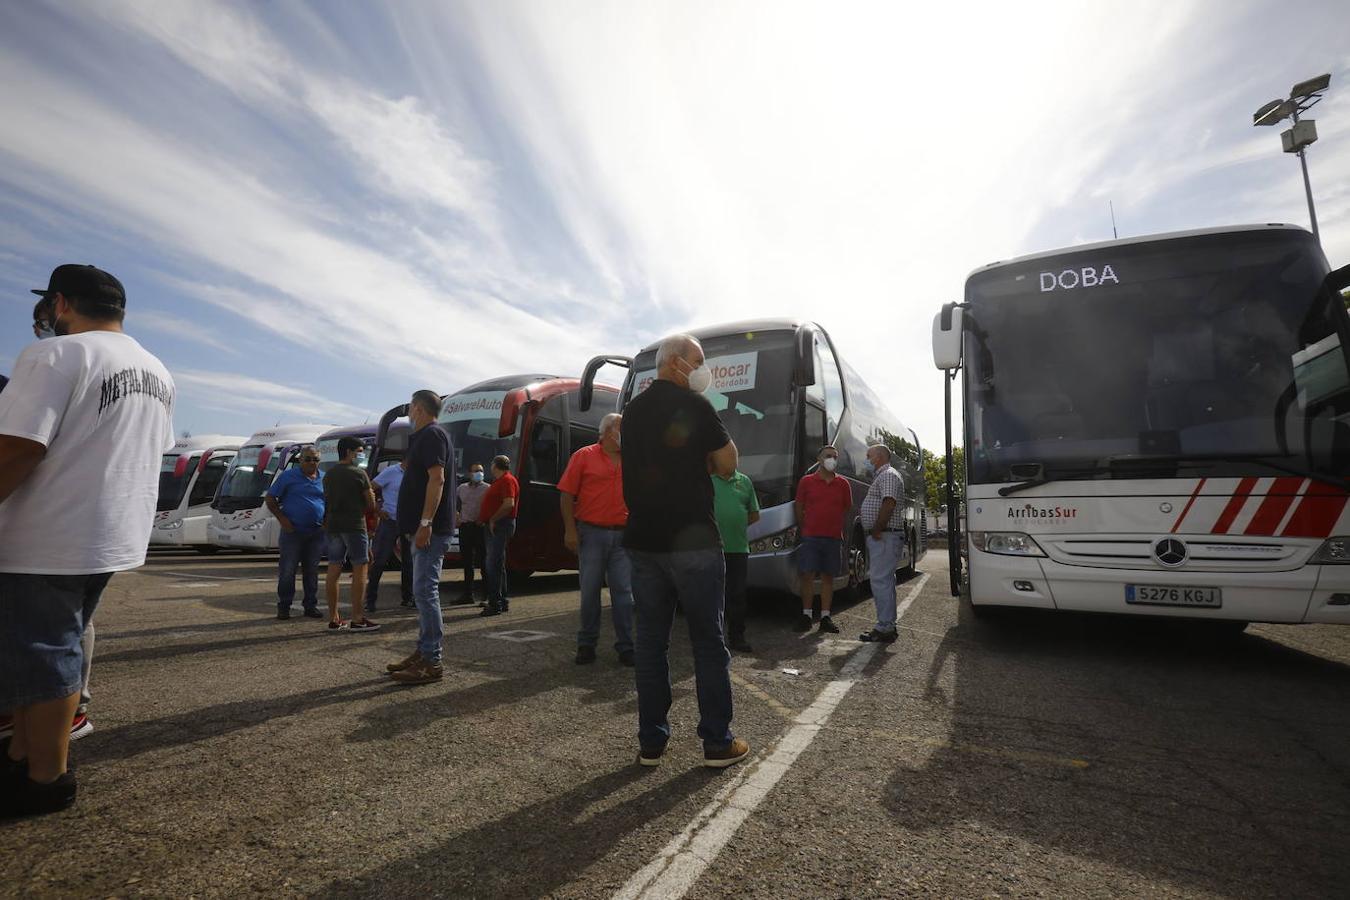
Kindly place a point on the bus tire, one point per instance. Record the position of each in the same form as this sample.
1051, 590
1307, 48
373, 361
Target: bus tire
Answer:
207, 549
855, 559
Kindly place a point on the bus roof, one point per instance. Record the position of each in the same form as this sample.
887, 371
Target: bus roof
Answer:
287, 433
740, 327
504, 383
365, 429
208, 442
1141, 239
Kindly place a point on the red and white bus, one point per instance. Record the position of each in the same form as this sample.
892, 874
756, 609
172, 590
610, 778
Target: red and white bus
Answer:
535, 420
1157, 426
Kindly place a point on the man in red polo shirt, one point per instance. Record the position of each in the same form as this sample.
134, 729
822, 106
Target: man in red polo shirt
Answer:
501, 505
823, 500
594, 514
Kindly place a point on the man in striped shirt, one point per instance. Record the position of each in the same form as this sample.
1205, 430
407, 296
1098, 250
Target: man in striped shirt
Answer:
884, 520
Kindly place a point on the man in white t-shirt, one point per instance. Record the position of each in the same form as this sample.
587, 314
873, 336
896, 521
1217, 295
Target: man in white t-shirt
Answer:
83, 424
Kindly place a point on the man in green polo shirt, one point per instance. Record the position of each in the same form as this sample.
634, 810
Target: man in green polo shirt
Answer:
736, 508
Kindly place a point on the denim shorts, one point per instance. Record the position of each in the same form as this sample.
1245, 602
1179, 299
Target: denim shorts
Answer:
355, 545
819, 554
41, 620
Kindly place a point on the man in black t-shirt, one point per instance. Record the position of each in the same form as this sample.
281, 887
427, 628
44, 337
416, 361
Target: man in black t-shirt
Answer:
347, 497
671, 438
424, 516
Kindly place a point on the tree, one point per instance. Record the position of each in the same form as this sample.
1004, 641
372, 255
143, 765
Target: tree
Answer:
935, 476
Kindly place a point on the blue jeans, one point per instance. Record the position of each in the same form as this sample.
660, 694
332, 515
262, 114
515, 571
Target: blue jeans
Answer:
696, 579
883, 557
303, 549
426, 566
494, 572
43, 619
602, 558
386, 536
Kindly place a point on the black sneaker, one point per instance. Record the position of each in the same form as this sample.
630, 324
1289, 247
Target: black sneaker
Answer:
33, 799
585, 656
464, 599
313, 614
803, 624
827, 625
877, 637
740, 645
626, 658
650, 758
283, 614
491, 609
363, 625
408, 604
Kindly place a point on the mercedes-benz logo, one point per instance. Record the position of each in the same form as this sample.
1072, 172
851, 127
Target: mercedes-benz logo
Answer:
1169, 552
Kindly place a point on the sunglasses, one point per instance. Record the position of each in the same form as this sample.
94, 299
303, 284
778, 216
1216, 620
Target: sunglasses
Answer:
309, 459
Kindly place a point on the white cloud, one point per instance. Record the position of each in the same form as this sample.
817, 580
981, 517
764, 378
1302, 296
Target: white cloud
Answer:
174, 326
263, 400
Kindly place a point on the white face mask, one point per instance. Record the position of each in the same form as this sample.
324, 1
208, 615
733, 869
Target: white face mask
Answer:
829, 463
46, 331
700, 378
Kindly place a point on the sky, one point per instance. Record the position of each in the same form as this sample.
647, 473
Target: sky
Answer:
318, 208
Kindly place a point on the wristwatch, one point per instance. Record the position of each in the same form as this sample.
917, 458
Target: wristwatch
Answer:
425, 523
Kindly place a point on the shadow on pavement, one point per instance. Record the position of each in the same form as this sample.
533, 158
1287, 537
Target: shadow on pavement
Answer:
535, 849
1214, 761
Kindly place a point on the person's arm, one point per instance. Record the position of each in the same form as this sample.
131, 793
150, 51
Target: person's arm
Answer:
370, 497
752, 515
508, 504
18, 458
435, 489
567, 504
379, 500
883, 517
724, 460
274, 507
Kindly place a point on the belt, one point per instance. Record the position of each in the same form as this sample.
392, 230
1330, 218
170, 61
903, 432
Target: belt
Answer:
892, 529
602, 527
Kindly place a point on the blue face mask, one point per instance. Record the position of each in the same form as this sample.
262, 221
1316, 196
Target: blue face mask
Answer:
868, 469
476, 477
46, 331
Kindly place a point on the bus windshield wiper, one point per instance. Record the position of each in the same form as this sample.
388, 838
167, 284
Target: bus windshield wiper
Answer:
1182, 459
1037, 477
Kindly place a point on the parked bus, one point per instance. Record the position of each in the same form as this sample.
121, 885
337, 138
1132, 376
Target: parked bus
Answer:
188, 477
328, 441
239, 517
783, 391
1158, 425
391, 442
535, 420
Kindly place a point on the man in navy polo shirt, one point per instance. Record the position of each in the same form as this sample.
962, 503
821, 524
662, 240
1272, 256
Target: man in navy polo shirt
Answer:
296, 499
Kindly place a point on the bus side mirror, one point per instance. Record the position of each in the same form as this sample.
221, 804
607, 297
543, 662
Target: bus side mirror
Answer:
804, 362
511, 404
947, 337
587, 392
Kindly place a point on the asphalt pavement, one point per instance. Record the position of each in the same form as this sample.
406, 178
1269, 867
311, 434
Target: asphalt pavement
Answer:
1039, 755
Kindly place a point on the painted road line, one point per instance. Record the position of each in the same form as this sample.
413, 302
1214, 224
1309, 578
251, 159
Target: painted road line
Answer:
682, 861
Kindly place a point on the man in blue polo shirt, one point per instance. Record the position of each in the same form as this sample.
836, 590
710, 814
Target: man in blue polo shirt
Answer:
296, 499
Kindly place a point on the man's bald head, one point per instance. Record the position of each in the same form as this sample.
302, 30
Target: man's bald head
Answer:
675, 349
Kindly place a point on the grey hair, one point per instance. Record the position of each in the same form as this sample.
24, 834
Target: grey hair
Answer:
882, 449
675, 347
820, 454
611, 420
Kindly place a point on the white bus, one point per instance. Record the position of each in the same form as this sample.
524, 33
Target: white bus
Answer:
239, 519
783, 391
188, 477
1157, 426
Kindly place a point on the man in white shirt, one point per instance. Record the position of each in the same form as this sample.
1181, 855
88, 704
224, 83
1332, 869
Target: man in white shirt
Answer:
472, 541
82, 426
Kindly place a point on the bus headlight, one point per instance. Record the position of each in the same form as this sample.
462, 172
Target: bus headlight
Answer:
1006, 543
254, 526
782, 540
1335, 552
170, 526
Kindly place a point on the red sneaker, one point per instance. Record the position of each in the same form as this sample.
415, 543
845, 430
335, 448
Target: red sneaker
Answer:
80, 726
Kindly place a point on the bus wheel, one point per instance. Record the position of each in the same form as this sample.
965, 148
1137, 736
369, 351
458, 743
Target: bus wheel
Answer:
857, 564
207, 549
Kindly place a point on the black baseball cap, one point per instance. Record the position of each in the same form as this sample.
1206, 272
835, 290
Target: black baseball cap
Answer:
86, 282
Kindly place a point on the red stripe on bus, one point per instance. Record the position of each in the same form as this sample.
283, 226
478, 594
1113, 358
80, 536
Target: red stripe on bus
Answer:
1278, 499
1318, 513
1189, 503
1239, 500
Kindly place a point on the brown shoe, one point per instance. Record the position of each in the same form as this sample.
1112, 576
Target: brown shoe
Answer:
405, 663
729, 755
420, 672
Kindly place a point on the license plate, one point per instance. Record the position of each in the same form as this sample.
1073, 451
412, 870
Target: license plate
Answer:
1173, 595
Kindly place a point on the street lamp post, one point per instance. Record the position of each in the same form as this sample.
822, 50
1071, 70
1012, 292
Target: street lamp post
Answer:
1302, 97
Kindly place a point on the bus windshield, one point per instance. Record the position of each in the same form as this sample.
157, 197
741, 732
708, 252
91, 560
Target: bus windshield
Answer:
1217, 352
472, 420
173, 479
250, 473
752, 393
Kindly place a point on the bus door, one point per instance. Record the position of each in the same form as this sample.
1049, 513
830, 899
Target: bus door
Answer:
209, 475
538, 543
